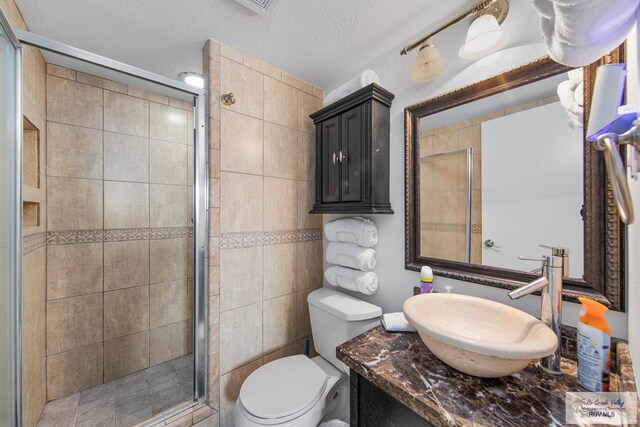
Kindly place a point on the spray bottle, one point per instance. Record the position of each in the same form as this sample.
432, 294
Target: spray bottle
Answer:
594, 346
426, 280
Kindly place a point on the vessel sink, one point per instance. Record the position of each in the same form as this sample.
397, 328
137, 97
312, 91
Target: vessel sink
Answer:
476, 336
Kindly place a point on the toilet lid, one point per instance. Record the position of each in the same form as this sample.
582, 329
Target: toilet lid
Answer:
283, 387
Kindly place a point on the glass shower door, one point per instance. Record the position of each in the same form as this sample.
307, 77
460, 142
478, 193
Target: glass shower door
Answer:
9, 224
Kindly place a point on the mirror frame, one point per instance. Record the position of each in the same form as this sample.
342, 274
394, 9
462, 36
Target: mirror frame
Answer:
604, 234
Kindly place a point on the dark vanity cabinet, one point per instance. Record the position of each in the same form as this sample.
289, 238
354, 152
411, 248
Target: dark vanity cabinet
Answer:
352, 153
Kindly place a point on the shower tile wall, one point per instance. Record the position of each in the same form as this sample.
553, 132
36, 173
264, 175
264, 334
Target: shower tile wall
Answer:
119, 230
266, 250
443, 190
34, 236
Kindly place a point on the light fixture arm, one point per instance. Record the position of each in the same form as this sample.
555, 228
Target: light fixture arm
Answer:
498, 8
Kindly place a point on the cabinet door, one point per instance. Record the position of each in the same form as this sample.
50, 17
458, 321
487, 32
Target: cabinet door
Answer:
330, 163
352, 159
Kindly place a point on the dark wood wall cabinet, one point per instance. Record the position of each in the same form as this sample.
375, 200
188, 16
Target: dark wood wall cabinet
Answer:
352, 153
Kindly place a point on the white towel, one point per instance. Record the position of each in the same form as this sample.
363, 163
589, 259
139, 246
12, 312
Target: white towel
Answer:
363, 79
352, 256
579, 32
396, 322
334, 423
570, 94
354, 280
360, 231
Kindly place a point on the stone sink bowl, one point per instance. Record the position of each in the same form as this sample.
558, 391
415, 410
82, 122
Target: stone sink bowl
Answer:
476, 336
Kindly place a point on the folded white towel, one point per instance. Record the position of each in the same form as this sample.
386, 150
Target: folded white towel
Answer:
334, 423
354, 280
396, 322
352, 256
363, 79
579, 32
361, 231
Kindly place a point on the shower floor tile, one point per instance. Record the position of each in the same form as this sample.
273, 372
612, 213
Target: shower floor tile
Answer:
126, 401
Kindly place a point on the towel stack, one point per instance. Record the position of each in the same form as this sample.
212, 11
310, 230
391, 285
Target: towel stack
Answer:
363, 79
351, 240
579, 32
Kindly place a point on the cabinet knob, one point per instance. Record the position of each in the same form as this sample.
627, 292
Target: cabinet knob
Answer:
334, 158
341, 157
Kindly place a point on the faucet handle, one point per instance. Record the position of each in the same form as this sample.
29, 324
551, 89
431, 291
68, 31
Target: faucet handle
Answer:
544, 260
559, 251
555, 250
528, 258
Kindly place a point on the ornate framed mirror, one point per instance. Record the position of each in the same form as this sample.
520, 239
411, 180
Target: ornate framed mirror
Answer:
500, 168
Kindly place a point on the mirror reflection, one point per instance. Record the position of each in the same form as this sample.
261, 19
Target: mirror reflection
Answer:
501, 177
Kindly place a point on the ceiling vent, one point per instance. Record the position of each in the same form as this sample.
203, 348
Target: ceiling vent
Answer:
258, 6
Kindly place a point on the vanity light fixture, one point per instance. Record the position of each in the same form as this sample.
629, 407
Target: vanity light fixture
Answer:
429, 63
191, 78
483, 36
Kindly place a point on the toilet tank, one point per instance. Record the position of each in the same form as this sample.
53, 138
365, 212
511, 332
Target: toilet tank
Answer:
336, 318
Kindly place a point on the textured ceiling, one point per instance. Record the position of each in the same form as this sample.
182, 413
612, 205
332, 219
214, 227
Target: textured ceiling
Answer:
322, 42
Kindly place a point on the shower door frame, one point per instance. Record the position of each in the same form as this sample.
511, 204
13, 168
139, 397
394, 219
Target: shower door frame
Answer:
15, 328
200, 186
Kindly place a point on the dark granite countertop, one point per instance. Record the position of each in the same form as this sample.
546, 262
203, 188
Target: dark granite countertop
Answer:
402, 366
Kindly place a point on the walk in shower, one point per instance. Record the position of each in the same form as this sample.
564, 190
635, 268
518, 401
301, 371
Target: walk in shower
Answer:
113, 223
446, 203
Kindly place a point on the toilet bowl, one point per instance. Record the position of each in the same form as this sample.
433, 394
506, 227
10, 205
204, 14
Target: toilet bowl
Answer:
298, 391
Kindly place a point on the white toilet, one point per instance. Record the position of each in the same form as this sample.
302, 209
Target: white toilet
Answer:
298, 391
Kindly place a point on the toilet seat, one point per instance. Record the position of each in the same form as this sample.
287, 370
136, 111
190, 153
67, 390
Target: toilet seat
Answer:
283, 389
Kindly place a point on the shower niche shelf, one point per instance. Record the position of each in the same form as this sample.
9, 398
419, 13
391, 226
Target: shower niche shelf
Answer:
30, 214
31, 154
31, 164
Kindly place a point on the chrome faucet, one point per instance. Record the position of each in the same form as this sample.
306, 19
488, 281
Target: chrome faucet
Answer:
554, 268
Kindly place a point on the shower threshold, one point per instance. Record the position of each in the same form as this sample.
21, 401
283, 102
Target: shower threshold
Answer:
127, 401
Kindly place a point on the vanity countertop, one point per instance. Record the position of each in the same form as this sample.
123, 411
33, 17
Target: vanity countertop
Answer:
402, 366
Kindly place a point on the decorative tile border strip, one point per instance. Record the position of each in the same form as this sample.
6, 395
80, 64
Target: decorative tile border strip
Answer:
33, 242
279, 237
76, 237
446, 227
453, 228
257, 238
171, 233
310, 234
126, 234
240, 240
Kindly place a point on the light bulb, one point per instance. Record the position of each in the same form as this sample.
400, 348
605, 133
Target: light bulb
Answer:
193, 79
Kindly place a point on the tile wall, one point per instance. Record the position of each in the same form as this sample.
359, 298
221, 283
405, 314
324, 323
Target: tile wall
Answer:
443, 199
265, 249
119, 230
443, 211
